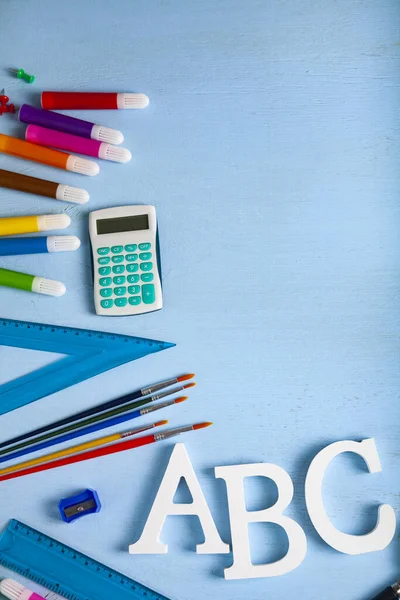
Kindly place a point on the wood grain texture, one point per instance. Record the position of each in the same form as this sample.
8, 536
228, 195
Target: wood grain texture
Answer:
271, 151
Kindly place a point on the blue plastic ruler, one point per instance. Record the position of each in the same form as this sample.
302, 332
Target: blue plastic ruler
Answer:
89, 353
63, 570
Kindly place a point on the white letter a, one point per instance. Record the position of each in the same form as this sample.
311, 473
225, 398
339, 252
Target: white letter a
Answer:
179, 466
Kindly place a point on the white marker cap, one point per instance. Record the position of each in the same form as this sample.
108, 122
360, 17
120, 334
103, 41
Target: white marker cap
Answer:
11, 589
76, 164
63, 243
49, 222
71, 194
132, 101
105, 134
48, 287
114, 153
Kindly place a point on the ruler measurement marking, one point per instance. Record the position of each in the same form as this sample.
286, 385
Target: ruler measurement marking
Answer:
72, 557
86, 354
75, 331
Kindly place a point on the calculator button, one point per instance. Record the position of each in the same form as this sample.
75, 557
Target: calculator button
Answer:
147, 266
116, 249
104, 270
134, 300
120, 291
145, 255
104, 260
131, 257
133, 278
148, 293
120, 302
132, 268
147, 277
145, 246
134, 289
104, 281
106, 292
118, 259
106, 303
119, 280
103, 251
130, 248
118, 269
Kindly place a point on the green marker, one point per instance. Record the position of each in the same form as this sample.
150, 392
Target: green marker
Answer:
22, 75
31, 283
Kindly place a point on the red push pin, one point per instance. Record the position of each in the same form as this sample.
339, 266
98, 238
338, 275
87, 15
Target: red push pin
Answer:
4, 106
10, 108
3, 98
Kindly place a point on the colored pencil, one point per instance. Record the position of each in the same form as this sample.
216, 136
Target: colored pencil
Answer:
103, 441
103, 407
103, 424
105, 451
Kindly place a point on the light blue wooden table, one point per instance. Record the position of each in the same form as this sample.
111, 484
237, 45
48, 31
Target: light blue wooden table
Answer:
271, 151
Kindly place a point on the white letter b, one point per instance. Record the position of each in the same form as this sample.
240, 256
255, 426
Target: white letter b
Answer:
242, 567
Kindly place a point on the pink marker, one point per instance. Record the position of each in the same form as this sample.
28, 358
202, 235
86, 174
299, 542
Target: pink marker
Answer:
15, 591
74, 143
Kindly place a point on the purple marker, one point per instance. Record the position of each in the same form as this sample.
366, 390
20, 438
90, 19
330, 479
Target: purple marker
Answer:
52, 120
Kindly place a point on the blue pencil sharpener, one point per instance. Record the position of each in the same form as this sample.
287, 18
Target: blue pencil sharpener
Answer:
78, 506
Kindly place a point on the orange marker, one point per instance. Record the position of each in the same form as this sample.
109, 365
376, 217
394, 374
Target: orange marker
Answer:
47, 156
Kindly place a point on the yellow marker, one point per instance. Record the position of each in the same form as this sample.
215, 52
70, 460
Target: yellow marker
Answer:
33, 223
103, 441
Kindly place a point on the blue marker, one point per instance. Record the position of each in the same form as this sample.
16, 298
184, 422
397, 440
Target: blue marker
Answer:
38, 245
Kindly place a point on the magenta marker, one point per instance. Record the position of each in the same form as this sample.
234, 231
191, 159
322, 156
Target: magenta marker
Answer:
15, 591
46, 118
66, 141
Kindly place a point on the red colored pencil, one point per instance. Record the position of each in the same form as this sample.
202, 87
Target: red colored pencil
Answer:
105, 450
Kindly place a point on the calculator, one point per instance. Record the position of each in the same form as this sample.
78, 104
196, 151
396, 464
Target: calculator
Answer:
126, 260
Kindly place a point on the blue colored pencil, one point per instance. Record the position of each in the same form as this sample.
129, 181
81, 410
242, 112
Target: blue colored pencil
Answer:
90, 429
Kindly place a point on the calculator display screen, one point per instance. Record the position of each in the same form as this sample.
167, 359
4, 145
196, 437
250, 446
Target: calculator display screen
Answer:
121, 224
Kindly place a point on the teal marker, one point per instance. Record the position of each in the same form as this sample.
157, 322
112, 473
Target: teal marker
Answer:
31, 283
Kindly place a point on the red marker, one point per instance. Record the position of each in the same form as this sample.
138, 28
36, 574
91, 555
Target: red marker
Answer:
92, 100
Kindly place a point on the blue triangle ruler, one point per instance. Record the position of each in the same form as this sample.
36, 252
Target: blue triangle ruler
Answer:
89, 353
64, 571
